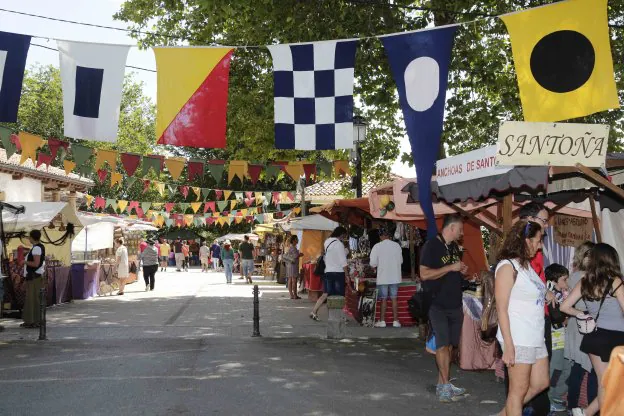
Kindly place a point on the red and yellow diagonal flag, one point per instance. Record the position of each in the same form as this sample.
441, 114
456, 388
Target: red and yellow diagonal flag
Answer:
192, 95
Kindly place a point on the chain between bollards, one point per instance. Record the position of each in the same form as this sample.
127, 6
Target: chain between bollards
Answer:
256, 312
42, 315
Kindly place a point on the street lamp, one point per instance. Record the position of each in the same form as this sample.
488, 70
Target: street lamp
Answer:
359, 135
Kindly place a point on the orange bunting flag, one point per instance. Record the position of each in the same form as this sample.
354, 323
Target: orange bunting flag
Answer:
195, 206
188, 220
175, 165
109, 156
29, 143
238, 168
122, 205
69, 166
115, 178
342, 167
295, 170
297, 210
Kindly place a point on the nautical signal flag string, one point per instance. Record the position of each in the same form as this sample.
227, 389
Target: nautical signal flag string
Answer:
561, 51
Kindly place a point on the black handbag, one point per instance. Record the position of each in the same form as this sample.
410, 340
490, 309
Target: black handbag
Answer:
419, 305
319, 269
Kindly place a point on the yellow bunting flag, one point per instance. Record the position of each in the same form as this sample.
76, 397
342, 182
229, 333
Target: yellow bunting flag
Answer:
197, 191
122, 205
294, 170
233, 204
195, 206
161, 188
243, 212
297, 210
239, 220
238, 168
188, 220
30, 143
563, 60
115, 178
342, 167
227, 194
175, 165
284, 197
102, 156
258, 196
89, 199
69, 166
221, 221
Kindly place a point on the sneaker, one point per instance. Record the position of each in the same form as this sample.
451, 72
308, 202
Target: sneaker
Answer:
457, 391
380, 324
396, 324
444, 393
577, 411
528, 411
146, 288
557, 407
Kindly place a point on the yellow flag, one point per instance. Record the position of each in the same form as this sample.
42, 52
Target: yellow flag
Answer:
195, 206
284, 196
342, 167
197, 191
89, 199
295, 170
227, 194
102, 156
562, 55
239, 219
238, 168
188, 220
175, 165
233, 204
161, 188
115, 178
243, 212
69, 166
122, 205
30, 143
297, 210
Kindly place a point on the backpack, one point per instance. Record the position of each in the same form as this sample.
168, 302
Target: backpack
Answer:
418, 306
319, 269
489, 318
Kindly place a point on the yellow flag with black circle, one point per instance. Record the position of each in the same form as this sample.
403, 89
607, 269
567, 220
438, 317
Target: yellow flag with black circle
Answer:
563, 60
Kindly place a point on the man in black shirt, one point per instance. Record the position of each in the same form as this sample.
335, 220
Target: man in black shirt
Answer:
441, 271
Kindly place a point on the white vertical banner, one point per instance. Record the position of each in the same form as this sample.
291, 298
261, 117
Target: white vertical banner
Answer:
92, 76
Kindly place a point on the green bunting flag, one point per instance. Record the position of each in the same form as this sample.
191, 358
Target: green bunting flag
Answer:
145, 206
205, 192
222, 205
111, 203
81, 154
5, 137
151, 163
185, 206
172, 189
130, 180
272, 171
325, 167
216, 171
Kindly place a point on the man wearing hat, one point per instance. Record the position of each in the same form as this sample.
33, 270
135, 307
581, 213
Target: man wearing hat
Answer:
149, 256
387, 257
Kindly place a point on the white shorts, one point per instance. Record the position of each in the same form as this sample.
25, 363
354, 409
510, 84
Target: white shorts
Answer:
528, 355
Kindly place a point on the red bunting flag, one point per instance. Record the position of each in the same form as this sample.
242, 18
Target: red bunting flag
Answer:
146, 185
15, 140
100, 203
140, 212
249, 194
291, 196
55, 144
130, 162
249, 201
169, 206
184, 190
44, 159
195, 170
219, 193
310, 170
254, 172
102, 174
281, 164
209, 206
276, 198
210, 220
133, 204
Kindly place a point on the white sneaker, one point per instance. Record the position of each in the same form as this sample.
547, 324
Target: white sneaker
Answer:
380, 324
146, 288
577, 411
396, 324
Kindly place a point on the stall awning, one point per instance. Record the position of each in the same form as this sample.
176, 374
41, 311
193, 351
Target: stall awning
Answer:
352, 211
314, 222
38, 215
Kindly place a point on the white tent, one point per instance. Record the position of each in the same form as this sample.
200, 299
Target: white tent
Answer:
314, 222
238, 237
38, 215
93, 237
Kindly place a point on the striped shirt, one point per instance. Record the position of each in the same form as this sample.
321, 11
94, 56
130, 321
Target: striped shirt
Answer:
150, 256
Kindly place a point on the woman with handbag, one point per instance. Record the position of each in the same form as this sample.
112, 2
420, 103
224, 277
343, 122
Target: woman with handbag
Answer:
602, 324
520, 296
291, 258
121, 256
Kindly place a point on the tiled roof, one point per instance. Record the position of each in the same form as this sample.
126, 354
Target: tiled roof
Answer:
42, 172
332, 188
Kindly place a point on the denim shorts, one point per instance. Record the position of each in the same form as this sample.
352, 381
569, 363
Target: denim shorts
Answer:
383, 290
334, 284
248, 267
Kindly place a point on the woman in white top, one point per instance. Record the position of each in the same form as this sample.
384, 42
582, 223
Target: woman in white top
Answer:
123, 271
520, 297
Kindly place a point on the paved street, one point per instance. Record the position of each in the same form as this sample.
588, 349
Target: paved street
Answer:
186, 349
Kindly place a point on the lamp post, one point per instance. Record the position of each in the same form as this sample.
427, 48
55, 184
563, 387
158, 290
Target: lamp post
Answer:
359, 135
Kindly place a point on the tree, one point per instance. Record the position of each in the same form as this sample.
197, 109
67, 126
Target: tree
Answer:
482, 83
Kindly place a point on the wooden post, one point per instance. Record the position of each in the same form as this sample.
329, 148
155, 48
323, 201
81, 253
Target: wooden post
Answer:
595, 219
507, 212
599, 180
412, 250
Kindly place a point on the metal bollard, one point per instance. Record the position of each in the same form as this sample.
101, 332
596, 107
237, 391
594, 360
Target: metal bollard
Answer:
42, 315
256, 312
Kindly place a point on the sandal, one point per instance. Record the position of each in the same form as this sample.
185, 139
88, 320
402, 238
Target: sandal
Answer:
120, 294
314, 317
297, 297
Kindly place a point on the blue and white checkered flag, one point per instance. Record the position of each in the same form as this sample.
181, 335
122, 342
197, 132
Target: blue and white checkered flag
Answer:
314, 95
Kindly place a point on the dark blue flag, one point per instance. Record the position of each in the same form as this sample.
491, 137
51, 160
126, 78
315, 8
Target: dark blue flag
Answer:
420, 63
13, 52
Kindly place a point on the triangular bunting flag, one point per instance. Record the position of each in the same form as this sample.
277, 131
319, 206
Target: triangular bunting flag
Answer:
238, 196
205, 192
111, 203
184, 190
233, 203
7, 143
146, 185
172, 189
30, 143
195, 206
342, 167
222, 205
102, 174
100, 203
161, 188
272, 171
325, 168
130, 180
130, 162
105, 156
81, 154
115, 178
184, 206
238, 168
197, 192
122, 205
133, 205
169, 222
89, 199
169, 206
239, 220
69, 166
195, 169
175, 165
254, 172
44, 159
216, 169
151, 162
209, 206
55, 145
309, 170
219, 193
145, 206
295, 170
227, 194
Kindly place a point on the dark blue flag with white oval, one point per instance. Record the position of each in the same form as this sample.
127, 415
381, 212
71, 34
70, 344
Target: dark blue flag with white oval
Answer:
420, 62
13, 53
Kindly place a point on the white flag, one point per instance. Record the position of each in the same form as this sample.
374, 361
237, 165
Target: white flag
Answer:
92, 76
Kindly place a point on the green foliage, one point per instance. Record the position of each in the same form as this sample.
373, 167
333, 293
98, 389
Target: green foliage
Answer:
483, 88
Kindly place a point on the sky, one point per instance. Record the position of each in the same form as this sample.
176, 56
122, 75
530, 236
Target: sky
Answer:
98, 12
